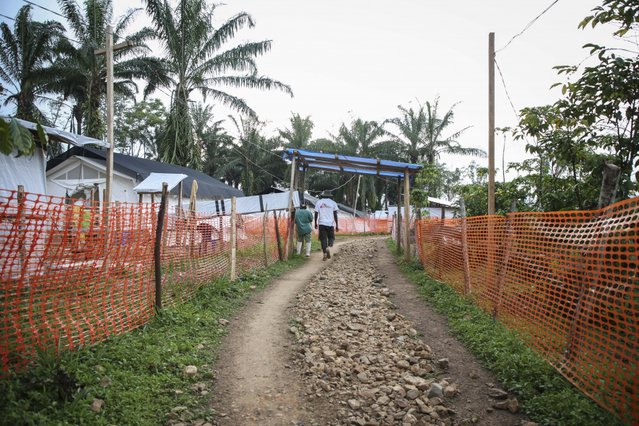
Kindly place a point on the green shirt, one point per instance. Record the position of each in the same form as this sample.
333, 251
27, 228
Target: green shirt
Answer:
303, 220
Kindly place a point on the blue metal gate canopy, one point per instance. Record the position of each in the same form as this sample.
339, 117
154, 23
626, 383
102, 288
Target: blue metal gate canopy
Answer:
349, 164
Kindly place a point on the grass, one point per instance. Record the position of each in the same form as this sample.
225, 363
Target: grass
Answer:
546, 396
138, 375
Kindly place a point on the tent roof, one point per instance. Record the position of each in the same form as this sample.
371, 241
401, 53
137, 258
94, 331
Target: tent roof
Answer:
350, 164
61, 135
153, 183
140, 168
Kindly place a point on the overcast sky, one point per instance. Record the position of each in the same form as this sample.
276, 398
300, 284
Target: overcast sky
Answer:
362, 58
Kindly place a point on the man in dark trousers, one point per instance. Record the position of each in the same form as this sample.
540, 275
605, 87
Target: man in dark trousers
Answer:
326, 217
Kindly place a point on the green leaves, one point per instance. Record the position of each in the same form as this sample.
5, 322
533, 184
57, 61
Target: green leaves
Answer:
14, 137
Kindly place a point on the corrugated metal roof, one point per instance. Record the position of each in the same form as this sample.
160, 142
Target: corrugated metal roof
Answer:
349, 163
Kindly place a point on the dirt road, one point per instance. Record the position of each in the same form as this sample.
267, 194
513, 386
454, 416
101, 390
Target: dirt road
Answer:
348, 341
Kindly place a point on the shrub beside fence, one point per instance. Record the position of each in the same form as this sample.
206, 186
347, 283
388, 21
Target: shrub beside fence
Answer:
566, 281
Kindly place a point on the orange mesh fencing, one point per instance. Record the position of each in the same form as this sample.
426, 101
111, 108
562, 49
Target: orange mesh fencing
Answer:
66, 279
566, 281
360, 225
73, 273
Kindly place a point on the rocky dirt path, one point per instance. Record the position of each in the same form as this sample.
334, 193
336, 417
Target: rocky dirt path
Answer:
348, 342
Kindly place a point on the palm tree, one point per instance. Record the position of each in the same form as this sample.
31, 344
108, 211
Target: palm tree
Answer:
362, 139
300, 133
253, 157
25, 55
422, 132
201, 63
411, 125
80, 74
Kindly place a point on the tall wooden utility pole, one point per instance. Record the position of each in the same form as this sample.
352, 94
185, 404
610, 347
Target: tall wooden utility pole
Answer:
491, 123
108, 52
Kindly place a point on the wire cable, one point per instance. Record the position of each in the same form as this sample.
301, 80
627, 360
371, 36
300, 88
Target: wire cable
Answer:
530, 24
44, 8
503, 82
61, 35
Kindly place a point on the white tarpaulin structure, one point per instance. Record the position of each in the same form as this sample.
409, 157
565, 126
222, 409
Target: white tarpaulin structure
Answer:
252, 204
30, 170
153, 183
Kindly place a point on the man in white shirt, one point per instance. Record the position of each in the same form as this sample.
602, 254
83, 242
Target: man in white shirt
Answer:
326, 217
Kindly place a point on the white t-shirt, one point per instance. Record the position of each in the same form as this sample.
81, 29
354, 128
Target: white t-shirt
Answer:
325, 208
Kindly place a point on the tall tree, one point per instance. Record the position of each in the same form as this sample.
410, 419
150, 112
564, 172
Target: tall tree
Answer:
200, 61
138, 127
362, 138
80, 74
254, 157
300, 133
25, 54
423, 133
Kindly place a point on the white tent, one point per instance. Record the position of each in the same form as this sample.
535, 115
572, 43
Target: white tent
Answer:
252, 204
30, 171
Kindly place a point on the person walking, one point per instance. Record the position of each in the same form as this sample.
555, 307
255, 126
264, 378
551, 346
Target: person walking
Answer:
303, 220
326, 217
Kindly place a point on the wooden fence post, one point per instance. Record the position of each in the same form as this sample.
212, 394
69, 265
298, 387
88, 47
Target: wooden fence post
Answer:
501, 276
157, 252
233, 274
264, 219
277, 236
464, 244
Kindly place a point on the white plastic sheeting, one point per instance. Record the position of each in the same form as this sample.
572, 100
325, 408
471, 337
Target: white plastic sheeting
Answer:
26, 170
252, 204
153, 183
62, 135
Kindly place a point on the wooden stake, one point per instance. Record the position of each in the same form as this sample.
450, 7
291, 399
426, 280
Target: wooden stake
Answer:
464, 244
406, 216
157, 252
233, 274
277, 236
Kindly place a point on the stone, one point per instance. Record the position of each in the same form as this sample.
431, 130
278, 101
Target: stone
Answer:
511, 405
497, 393
443, 363
450, 391
223, 322
435, 391
403, 364
413, 394
105, 382
354, 404
190, 370
383, 400
97, 405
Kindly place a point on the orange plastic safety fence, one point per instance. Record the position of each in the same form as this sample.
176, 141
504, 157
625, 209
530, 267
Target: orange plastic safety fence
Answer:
567, 281
70, 274
350, 225
75, 274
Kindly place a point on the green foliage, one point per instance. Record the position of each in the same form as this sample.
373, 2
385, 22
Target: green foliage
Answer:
138, 127
252, 160
597, 119
546, 396
80, 75
421, 132
15, 137
300, 133
623, 12
138, 374
25, 54
202, 60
